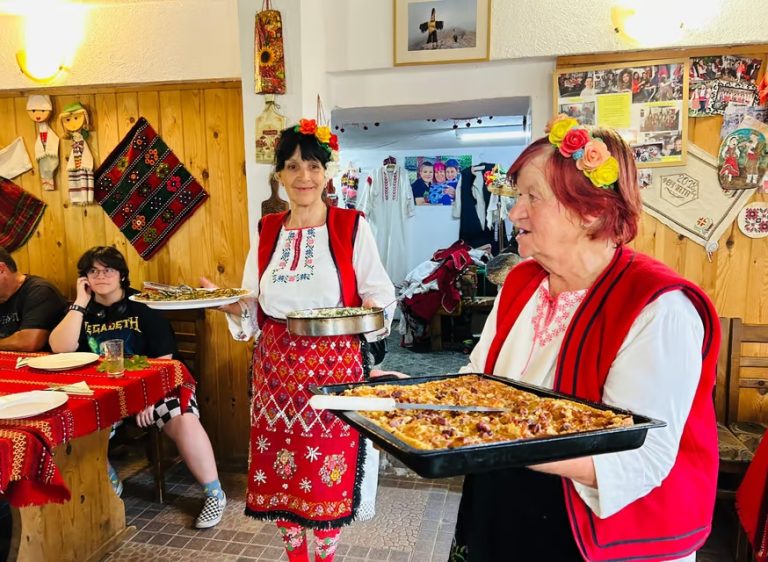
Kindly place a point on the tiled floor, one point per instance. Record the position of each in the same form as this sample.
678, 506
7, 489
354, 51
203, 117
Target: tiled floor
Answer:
414, 522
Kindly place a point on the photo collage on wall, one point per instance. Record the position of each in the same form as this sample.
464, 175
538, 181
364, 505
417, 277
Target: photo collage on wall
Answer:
645, 102
434, 179
716, 82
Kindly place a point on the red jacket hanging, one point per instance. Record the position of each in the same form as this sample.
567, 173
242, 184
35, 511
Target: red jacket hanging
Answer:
342, 231
675, 518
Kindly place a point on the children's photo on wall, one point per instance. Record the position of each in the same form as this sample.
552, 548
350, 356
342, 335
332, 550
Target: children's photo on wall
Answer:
645, 177
671, 143
659, 119
583, 112
434, 178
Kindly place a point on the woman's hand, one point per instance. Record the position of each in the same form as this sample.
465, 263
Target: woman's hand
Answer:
233, 308
84, 292
145, 418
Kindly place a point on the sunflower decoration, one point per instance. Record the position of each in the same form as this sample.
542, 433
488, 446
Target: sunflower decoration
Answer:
267, 55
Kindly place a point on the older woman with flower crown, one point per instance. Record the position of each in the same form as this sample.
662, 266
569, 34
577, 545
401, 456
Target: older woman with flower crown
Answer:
587, 316
307, 468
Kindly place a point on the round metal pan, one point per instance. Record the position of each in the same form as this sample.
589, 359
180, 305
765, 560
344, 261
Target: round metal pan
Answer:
360, 323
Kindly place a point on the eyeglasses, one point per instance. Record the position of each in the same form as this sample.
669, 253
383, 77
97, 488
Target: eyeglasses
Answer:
106, 272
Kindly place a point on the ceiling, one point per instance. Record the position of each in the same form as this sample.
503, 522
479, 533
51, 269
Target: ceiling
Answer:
431, 125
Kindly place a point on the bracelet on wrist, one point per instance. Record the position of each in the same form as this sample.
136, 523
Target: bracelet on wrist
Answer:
78, 308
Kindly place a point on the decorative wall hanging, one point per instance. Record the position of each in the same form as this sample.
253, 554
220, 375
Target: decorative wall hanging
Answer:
689, 200
742, 159
441, 31
75, 123
645, 101
268, 128
274, 204
146, 190
14, 160
20, 214
39, 109
753, 220
269, 63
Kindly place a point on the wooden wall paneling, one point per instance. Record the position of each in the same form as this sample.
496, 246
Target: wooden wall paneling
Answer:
223, 155
170, 121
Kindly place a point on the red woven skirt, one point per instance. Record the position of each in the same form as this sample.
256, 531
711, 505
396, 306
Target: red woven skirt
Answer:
305, 465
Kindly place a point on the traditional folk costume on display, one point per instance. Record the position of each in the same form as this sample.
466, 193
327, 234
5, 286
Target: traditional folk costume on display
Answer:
80, 171
307, 466
388, 203
46, 143
605, 344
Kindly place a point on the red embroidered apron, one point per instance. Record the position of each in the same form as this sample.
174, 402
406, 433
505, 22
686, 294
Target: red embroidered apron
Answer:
305, 466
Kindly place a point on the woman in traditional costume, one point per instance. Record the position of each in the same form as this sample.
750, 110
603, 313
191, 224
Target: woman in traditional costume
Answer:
590, 317
308, 469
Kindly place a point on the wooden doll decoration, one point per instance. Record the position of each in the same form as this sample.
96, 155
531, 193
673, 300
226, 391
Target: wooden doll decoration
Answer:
39, 109
74, 121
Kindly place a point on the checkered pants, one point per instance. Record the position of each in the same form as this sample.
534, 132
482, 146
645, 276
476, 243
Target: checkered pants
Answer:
170, 407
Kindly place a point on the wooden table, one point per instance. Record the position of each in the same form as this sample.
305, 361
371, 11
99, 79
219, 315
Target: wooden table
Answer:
46, 459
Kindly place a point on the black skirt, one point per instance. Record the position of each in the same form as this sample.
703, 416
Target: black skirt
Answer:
513, 515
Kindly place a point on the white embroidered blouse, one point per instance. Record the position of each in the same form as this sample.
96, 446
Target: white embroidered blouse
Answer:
655, 373
301, 274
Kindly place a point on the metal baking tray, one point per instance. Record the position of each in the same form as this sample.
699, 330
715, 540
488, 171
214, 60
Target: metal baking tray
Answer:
440, 463
360, 323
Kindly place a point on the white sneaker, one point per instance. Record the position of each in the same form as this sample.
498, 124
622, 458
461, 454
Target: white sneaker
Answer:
213, 510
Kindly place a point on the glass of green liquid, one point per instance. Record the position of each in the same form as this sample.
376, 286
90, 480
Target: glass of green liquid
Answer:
112, 350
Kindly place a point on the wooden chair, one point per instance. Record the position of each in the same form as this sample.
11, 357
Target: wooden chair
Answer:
189, 327
738, 385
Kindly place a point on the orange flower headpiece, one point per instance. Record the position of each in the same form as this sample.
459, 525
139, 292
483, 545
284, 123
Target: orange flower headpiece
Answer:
590, 154
323, 134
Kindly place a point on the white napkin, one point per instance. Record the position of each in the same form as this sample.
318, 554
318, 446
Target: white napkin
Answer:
74, 388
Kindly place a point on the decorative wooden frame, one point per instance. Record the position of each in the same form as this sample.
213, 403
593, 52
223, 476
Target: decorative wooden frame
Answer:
402, 56
634, 133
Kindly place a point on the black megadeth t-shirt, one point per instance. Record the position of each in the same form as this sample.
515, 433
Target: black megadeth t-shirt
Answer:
143, 330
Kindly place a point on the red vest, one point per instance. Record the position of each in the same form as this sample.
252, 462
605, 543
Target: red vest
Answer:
342, 231
675, 518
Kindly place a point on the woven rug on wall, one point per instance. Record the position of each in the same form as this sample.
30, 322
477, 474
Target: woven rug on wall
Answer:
146, 190
20, 213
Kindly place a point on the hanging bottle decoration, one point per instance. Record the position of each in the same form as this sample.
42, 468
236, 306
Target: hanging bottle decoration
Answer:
268, 127
269, 64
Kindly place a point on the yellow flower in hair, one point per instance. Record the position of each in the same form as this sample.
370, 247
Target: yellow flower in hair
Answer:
559, 128
606, 174
323, 134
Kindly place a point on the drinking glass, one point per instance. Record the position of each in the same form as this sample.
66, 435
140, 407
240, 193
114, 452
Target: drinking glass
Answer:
112, 350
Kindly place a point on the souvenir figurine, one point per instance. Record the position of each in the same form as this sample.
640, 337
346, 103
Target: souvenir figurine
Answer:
46, 142
74, 121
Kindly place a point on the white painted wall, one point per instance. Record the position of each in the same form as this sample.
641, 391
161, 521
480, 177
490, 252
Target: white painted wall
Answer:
132, 42
431, 227
360, 35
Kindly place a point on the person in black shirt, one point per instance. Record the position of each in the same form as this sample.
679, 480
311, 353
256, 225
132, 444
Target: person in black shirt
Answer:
103, 311
30, 307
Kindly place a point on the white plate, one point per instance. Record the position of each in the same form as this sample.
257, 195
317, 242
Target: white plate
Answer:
28, 404
62, 361
188, 304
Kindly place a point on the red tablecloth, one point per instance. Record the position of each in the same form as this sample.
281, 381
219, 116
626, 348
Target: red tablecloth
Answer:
752, 501
28, 473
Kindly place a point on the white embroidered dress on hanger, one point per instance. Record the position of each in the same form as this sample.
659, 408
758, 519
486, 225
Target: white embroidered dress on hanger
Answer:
387, 204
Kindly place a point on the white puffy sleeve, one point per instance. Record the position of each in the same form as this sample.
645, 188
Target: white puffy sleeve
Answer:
655, 373
372, 279
244, 326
